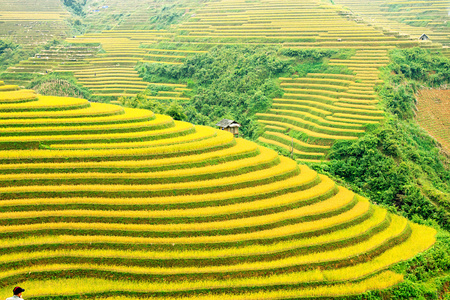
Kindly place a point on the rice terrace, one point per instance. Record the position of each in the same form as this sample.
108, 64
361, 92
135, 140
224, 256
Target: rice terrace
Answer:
224, 149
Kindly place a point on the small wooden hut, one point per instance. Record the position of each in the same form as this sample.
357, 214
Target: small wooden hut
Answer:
424, 37
230, 126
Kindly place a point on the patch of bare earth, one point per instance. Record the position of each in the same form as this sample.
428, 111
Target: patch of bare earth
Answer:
433, 114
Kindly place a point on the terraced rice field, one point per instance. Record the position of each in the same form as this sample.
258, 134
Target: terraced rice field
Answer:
316, 110
319, 109
122, 46
305, 24
50, 60
113, 73
100, 200
133, 14
404, 18
30, 23
433, 114
324, 108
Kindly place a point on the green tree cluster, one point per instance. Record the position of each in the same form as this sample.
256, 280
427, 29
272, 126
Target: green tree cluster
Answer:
233, 82
76, 6
10, 54
397, 164
174, 109
166, 16
411, 69
58, 84
237, 81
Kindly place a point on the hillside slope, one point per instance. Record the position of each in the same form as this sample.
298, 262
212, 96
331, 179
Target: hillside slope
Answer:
32, 23
166, 208
433, 114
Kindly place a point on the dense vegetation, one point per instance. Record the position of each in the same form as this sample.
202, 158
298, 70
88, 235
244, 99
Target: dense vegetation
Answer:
237, 81
76, 6
398, 163
60, 85
165, 16
10, 54
410, 70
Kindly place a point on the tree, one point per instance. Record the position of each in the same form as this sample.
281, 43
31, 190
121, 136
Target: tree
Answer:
176, 112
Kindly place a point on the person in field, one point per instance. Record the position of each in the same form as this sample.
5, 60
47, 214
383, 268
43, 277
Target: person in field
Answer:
17, 293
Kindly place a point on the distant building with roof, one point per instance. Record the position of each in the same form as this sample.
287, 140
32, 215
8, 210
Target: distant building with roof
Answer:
230, 126
424, 37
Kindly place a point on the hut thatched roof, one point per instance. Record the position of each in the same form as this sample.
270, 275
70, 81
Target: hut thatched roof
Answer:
225, 123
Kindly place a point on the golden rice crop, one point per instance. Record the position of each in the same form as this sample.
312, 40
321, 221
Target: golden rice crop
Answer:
298, 142
15, 96
175, 50
105, 70
165, 56
129, 115
307, 177
357, 105
380, 281
326, 276
343, 198
421, 239
359, 210
360, 117
47, 102
307, 118
330, 238
310, 132
350, 121
223, 138
306, 90
111, 75
105, 83
169, 93
302, 219
95, 109
169, 84
158, 121
167, 98
264, 157
360, 95
296, 151
201, 133
308, 79
297, 104
4, 88
320, 86
179, 127
242, 147
337, 110
93, 285
339, 254
286, 166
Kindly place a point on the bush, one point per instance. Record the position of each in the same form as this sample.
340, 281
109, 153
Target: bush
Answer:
409, 70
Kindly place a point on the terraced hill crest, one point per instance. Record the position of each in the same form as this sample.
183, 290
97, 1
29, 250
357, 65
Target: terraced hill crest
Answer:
314, 112
100, 200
